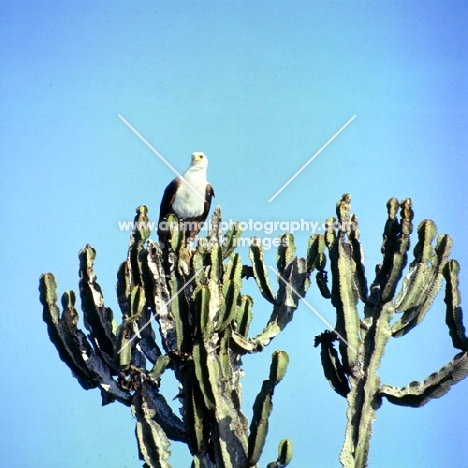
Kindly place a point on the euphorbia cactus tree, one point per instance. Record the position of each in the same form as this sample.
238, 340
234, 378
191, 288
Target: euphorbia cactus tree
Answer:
194, 298
352, 369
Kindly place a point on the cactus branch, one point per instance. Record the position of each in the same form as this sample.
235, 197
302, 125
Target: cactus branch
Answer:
417, 394
263, 406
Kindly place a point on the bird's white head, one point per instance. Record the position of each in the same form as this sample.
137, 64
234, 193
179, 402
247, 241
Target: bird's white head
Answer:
199, 160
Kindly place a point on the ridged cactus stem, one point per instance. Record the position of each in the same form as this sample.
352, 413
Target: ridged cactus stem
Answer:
263, 406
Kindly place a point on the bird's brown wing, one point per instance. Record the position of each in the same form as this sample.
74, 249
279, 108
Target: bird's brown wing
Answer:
165, 208
209, 194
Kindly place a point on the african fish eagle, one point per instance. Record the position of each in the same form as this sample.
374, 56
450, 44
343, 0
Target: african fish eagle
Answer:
188, 197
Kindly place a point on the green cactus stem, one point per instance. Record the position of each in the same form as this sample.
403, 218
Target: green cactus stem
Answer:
263, 406
454, 314
317, 260
153, 442
260, 270
231, 240
417, 394
285, 453
333, 369
98, 319
88, 366
62, 330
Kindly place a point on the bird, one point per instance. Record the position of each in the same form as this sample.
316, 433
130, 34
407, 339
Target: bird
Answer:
189, 198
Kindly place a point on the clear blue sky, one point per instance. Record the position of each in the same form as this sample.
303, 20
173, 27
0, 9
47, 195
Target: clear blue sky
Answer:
259, 86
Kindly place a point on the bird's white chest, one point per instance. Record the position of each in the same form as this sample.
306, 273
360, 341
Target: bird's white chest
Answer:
189, 200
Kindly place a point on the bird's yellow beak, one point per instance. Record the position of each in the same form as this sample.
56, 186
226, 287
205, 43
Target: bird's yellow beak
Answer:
198, 156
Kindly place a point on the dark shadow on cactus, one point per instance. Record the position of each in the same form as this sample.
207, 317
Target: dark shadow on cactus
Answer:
352, 370
193, 298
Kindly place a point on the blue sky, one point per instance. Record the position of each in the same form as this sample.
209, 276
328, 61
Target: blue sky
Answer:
259, 87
